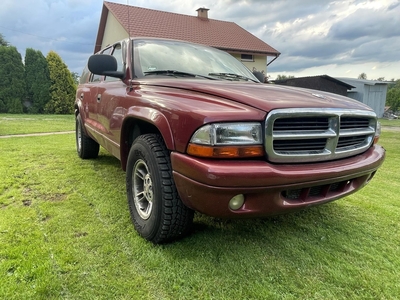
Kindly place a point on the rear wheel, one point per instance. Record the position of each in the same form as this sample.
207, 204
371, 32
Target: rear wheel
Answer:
157, 212
85, 145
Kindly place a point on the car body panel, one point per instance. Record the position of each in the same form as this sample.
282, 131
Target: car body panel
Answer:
208, 186
115, 111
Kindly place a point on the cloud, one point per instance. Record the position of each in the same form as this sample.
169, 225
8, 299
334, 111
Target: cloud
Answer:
336, 35
371, 23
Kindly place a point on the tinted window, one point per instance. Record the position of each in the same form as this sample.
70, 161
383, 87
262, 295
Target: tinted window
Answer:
155, 55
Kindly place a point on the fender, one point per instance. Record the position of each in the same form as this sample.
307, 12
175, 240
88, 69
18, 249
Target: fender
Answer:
147, 115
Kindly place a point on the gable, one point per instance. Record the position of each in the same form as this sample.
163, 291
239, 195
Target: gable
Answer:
113, 31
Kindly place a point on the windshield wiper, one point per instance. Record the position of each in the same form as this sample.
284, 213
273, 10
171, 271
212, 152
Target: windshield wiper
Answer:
231, 76
175, 73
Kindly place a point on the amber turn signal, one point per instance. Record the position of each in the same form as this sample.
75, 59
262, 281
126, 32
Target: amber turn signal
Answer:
225, 151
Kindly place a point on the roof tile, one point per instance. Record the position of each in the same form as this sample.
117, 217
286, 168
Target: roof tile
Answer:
219, 34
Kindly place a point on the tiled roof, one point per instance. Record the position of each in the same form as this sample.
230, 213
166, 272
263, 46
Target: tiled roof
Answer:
154, 23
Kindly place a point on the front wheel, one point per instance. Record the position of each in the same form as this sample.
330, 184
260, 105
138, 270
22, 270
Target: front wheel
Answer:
157, 212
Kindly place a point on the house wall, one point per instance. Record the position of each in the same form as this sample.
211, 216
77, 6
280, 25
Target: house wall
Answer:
260, 62
113, 32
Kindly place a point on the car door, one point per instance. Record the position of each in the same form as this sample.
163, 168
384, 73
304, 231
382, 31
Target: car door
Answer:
89, 95
110, 113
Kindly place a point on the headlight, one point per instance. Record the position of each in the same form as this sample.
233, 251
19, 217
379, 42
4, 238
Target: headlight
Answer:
227, 140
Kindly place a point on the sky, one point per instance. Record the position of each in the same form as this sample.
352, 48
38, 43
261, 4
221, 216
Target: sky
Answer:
315, 37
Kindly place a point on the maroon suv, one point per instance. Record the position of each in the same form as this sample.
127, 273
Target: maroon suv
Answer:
196, 131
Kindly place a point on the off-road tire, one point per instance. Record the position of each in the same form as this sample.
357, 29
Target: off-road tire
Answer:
85, 145
157, 212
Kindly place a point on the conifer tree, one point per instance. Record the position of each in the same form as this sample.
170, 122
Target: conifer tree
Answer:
62, 89
12, 80
37, 80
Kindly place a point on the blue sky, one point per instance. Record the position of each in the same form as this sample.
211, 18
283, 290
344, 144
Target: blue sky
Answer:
337, 38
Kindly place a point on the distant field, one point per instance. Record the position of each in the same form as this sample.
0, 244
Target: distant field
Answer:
25, 124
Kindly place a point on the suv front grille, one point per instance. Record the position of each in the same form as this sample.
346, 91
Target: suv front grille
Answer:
308, 135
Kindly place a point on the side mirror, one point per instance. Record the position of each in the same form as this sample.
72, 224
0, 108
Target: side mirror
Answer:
104, 64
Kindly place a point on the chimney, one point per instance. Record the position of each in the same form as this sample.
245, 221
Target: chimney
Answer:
202, 13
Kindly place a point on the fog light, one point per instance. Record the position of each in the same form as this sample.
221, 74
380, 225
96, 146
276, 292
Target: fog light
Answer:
236, 202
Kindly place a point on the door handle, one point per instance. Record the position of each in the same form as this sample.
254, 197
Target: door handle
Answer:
98, 97
81, 95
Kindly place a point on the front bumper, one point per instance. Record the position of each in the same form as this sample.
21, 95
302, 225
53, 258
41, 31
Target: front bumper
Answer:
208, 185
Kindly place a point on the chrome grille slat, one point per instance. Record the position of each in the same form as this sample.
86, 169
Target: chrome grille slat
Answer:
309, 135
295, 135
357, 132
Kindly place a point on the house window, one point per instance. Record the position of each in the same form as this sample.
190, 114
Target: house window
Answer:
247, 57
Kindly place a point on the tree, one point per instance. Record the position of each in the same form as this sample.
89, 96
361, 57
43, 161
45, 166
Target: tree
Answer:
62, 89
12, 80
394, 84
283, 77
393, 96
3, 42
75, 77
362, 76
37, 80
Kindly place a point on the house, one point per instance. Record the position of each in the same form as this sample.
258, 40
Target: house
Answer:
119, 21
370, 92
321, 82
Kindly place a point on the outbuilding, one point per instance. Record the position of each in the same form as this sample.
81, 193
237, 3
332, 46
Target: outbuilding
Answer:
371, 92
320, 82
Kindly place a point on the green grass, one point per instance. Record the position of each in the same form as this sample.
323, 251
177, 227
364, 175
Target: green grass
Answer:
26, 124
65, 233
390, 123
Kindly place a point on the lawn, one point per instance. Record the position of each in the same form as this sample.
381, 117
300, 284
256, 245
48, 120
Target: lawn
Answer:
65, 233
390, 123
26, 124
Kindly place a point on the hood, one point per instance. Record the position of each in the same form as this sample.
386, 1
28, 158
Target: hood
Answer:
261, 96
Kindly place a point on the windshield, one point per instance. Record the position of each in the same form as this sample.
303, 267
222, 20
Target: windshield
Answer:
180, 59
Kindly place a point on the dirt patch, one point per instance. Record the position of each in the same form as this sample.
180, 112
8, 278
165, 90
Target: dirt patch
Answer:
390, 128
26, 202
